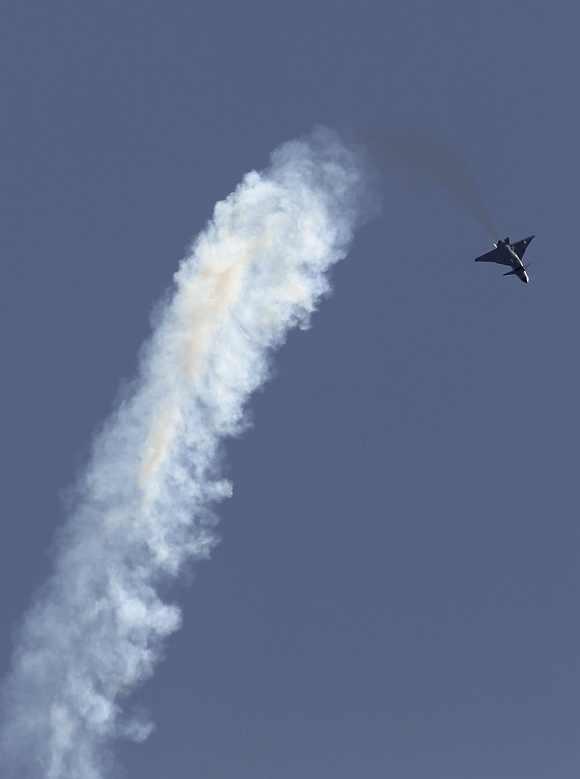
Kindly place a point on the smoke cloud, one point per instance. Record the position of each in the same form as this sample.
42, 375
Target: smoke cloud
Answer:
144, 507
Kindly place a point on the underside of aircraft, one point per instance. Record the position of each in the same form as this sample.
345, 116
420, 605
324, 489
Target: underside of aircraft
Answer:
510, 254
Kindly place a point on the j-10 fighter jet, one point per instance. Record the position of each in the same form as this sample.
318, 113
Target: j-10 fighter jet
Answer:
511, 254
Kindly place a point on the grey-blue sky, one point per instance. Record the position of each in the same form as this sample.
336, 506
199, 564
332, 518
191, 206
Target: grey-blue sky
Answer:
397, 586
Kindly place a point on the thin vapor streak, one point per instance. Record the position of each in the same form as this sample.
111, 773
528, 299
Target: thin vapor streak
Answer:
144, 507
426, 157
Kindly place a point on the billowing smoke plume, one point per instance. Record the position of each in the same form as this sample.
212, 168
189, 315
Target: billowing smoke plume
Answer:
144, 507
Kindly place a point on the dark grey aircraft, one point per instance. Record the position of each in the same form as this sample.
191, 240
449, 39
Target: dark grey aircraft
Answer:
511, 254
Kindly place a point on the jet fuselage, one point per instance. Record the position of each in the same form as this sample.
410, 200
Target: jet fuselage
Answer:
519, 268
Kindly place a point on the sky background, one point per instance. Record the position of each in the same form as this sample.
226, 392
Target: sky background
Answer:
397, 588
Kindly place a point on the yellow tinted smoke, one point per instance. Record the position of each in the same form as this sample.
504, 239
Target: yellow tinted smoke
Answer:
202, 303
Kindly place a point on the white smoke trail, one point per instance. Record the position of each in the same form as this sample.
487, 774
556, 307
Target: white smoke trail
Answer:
144, 506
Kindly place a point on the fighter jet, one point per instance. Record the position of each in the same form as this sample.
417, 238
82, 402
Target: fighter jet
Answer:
511, 254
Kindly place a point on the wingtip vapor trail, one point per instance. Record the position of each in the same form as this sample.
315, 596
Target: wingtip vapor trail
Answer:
145, 504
